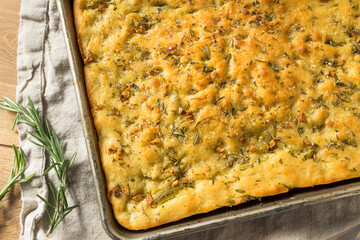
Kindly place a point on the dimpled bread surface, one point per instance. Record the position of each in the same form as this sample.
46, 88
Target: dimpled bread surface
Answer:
201, 104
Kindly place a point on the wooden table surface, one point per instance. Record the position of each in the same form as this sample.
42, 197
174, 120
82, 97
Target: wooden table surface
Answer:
9, 24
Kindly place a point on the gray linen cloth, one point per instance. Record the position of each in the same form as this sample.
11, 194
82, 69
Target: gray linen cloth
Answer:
43, 74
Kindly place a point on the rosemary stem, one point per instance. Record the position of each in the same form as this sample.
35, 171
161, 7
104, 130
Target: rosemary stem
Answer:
45, 137
7, 187
16, 172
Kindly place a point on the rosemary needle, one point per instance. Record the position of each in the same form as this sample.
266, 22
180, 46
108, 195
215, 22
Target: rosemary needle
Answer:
45, 137
16, 172
164, 194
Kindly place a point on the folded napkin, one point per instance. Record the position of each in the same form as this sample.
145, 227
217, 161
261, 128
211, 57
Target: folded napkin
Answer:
44, 75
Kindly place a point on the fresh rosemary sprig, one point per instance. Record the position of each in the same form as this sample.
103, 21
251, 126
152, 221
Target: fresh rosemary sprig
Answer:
45, 137
16, 172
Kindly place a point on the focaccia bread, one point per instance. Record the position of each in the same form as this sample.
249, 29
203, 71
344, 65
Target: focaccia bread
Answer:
200, 104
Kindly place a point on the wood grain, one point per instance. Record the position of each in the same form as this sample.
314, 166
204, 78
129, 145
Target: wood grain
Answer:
9, 213
9, 24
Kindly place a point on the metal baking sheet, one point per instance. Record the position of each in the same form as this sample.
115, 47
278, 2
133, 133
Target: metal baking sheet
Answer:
254, 209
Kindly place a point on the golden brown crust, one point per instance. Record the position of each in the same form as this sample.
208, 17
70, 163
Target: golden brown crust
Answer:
203, 104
